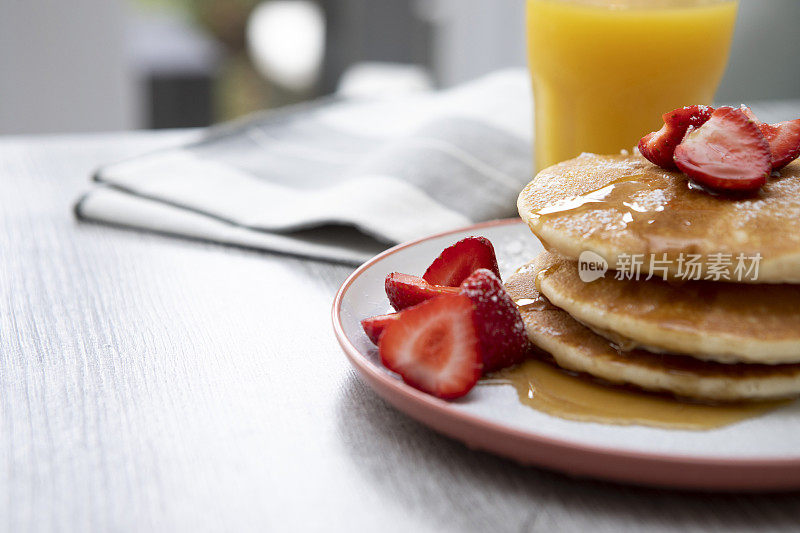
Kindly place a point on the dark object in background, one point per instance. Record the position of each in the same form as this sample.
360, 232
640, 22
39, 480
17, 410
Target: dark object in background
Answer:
179, 100
369, 30
177, 64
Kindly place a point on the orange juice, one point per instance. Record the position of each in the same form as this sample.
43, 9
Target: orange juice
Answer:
604, 71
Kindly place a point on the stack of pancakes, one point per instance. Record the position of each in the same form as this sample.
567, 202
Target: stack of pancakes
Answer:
731, 333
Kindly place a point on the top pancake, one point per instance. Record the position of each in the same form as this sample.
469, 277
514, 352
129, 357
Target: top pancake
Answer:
624, 205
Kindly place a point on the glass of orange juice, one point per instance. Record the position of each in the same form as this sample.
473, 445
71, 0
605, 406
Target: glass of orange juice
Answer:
604, 71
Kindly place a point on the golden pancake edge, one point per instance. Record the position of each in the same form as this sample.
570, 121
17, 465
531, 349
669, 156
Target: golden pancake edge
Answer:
620, 206
577, 348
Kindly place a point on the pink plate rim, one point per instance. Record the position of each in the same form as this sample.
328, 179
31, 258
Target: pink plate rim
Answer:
654, 469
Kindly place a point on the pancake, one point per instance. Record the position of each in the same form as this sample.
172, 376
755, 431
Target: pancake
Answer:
725, 322
575, 347
623, 204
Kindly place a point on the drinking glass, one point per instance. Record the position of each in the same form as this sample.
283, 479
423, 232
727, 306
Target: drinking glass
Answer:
604, 71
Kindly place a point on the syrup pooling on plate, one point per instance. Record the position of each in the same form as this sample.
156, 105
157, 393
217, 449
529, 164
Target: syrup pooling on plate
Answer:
546, 388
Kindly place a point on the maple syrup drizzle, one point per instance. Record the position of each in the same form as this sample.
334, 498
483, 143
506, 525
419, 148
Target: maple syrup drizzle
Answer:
544, 387
638, 203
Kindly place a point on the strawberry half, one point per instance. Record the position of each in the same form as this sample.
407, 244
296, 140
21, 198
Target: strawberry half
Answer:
375, 325
501, 331
658, 147
692, 116
784, 142
458, 261
434, 347
728, 152
749, 113
783, 139
404, 290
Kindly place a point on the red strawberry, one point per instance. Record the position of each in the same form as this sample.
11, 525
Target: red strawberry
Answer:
501, 331
434, 347
728, 152
690, 116
659, 146
784, 142
749, 114
458, 261
405, 290
374, 326
783, 139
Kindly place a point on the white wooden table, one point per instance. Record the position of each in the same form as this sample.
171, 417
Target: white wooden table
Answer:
150, 383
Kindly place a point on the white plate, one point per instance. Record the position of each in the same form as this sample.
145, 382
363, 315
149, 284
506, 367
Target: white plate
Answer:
756, 454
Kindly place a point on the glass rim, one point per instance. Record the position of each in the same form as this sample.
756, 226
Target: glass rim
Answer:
641, 4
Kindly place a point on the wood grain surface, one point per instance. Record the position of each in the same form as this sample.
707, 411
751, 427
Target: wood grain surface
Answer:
150, 383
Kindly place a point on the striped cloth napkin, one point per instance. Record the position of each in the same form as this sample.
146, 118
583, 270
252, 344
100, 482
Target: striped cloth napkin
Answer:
337, 179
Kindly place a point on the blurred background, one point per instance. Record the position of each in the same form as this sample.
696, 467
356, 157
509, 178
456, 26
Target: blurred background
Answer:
100, 65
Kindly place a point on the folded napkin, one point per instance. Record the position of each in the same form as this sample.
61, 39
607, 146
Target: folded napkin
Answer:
335, 179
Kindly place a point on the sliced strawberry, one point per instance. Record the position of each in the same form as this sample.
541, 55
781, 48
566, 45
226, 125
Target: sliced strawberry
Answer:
434, 347
460, 260
728, 152
375, 325
405, 290
784, 142
783, 139
659, 146
501, 331
690, 116
749, 114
